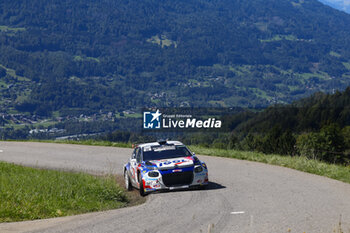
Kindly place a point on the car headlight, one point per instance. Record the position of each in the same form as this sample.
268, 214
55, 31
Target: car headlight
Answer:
198, 169
153, 174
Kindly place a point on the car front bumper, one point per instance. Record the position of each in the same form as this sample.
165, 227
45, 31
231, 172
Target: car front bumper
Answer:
175, 180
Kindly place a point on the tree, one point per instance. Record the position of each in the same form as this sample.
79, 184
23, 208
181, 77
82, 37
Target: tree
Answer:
2, 72
327, 145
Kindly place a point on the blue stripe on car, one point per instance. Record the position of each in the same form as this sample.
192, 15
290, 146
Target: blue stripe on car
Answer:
186, 169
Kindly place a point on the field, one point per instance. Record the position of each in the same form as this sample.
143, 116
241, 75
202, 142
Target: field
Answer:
29, 193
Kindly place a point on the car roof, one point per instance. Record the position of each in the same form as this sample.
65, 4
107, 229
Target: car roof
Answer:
176, 143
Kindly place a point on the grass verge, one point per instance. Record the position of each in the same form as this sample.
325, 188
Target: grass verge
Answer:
29, 193
334, 171
85, 142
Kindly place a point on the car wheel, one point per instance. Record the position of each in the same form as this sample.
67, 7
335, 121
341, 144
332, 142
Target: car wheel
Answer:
142, 190
128, 185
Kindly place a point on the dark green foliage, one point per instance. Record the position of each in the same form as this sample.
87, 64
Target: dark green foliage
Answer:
316, 127
327, 145
10, 133
2, 122
115, 54
232, 141
127, 137
278, 141
305, 115
346, 135
2, 72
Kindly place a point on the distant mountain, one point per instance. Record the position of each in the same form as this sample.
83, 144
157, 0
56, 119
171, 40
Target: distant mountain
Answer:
67, 57
343, 5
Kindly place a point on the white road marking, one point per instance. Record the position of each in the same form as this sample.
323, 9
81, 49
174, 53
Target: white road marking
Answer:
238, 212
1, 151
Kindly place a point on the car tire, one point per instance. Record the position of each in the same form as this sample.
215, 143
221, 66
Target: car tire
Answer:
127, 181
142, 190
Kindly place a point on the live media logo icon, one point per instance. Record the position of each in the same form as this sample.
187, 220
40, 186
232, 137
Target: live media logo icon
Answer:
152, 120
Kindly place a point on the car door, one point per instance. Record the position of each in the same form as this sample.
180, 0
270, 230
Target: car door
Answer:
133, 166
138, 162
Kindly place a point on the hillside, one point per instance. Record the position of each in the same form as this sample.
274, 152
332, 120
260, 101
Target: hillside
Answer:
342, 5
70, 57
317, 127
305, 115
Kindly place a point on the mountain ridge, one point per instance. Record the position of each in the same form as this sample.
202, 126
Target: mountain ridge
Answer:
342, 5
114, 55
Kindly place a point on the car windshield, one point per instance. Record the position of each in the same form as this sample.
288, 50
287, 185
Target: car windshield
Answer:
165, 152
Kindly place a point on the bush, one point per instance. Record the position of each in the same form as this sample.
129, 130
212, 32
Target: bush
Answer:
327, 145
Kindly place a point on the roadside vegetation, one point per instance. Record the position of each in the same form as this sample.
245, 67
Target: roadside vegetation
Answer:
30, 193
301, 163
90, 142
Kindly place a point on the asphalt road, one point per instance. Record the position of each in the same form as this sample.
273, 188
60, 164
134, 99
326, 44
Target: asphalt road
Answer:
243, 196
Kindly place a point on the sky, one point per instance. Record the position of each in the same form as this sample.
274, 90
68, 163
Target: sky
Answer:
339, 4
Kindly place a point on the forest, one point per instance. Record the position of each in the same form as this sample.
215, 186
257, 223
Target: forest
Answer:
83, 56
317, 127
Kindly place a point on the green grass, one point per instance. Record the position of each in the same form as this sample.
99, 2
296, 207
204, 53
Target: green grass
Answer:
79, 58
334, 54
132, 115
44, 124
320, 75
88, 143
13, 74
280, 37
298, 3
9, 29
98, 143
261, 93
347, 65
29, 193
337, 172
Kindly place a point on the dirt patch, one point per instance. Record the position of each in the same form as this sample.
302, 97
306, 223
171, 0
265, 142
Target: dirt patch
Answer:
134, 196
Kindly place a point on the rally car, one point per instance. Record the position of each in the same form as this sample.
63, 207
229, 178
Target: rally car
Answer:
164, 165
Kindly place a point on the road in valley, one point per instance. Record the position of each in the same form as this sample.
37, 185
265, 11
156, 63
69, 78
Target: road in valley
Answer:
242, 197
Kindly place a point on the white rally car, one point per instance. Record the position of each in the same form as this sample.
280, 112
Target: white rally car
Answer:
164, 165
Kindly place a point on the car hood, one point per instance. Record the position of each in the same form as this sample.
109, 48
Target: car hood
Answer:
173, 163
